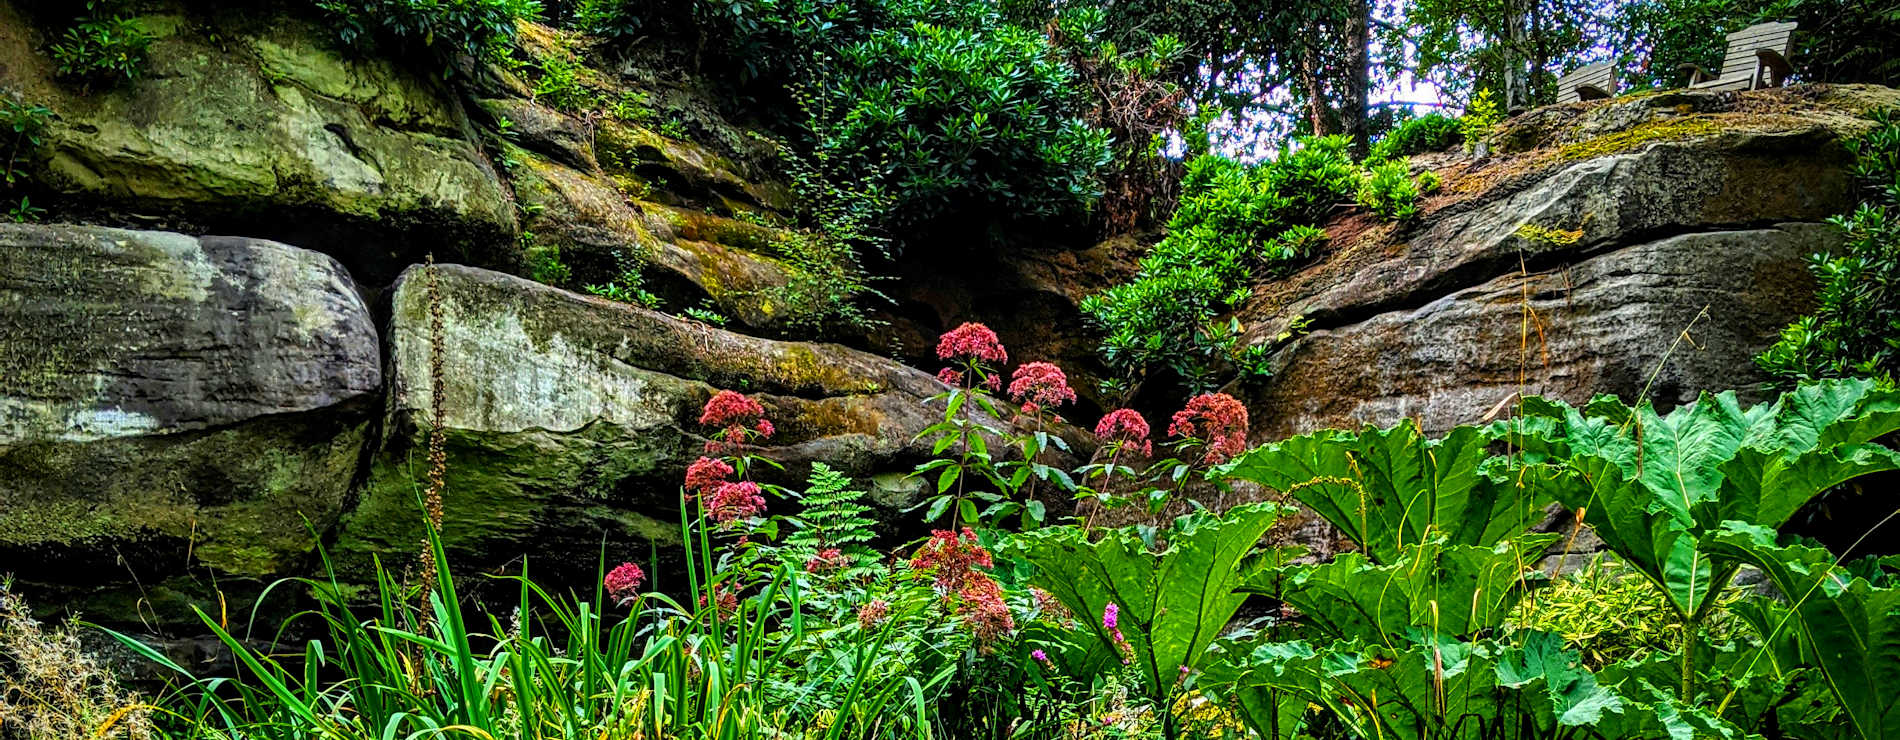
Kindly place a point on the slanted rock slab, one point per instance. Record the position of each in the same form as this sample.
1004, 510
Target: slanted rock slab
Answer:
173, 404
569, 420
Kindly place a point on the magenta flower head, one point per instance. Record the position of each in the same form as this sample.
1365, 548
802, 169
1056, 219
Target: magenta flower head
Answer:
734, 415
1127, 428
624, 581
1110, 615
971, 342
873, 613
731, 502
706, 475
1040, 384
1039, 655
1218, 420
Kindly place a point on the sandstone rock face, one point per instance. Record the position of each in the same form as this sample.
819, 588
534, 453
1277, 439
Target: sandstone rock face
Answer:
268, 129
571, 419
172, 403
1654, 254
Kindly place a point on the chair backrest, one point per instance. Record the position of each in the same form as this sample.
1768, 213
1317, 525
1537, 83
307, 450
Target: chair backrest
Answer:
1600, 76
1740, 60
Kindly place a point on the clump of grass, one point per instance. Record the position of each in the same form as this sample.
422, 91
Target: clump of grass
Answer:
1674, 129
1548, 236
51, 688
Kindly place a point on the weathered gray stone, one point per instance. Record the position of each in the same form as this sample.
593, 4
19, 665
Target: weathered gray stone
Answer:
1668, 318
571, 419
170, 403
267, 127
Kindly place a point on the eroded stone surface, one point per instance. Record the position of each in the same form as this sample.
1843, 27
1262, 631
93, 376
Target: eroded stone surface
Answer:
172, 403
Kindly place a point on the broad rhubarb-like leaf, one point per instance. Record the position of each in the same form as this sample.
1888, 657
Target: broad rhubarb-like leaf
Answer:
1389, 488
1433, 591
1171, 602
1852, 627
1651, 485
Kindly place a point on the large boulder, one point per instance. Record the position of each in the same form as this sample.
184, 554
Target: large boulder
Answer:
173, 407
569, 420
259, 123
1648, 246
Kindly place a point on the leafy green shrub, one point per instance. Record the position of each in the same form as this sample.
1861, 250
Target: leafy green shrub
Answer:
1855, 329
1608, 615
1231, 217
102, 46
27, 122
559, 85
1431, 132
971, 118
479, 28
1482, 114
1296, 245
1390, 192
1314, 175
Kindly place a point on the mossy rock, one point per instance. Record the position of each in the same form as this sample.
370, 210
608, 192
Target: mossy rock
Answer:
569, 421
258, 123
173, 405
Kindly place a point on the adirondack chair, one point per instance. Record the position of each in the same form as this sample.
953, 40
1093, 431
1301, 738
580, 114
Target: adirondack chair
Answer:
1588, 82
1757, 57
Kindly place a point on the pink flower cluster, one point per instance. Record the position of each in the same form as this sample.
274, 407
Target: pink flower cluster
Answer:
734, 415
980, 604
1111, 622
828, 560
1126, 428
975, 346
733, 501
726, 500
623, 582
952, 557
724, 599
1218, 420
707, 474
873, 614
1039, 384
971, 342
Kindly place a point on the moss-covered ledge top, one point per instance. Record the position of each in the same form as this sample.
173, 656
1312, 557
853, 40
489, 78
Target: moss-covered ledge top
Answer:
551, 342
1566, 181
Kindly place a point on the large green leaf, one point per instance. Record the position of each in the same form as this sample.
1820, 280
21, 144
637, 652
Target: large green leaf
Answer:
1388, 488
1458, 691
1434, 589
1173, 601
1651, 485
1852, 627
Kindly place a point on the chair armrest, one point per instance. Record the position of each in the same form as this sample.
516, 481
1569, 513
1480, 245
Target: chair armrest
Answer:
1696, 73
1776, 64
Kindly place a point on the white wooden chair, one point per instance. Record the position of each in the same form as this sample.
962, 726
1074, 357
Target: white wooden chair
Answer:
1588, 82
1757, 58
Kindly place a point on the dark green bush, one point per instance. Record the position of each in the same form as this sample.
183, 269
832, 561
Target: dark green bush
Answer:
1315, 174
1427, 133
102, 46
1855, 330
1233, 219
962, 113
480, 28
1389, 191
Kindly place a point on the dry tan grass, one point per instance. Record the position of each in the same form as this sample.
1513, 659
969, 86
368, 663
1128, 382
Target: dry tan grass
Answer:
52, 689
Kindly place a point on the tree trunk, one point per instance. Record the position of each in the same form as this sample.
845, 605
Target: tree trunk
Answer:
1318, 113
1517, 91
1355, 83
